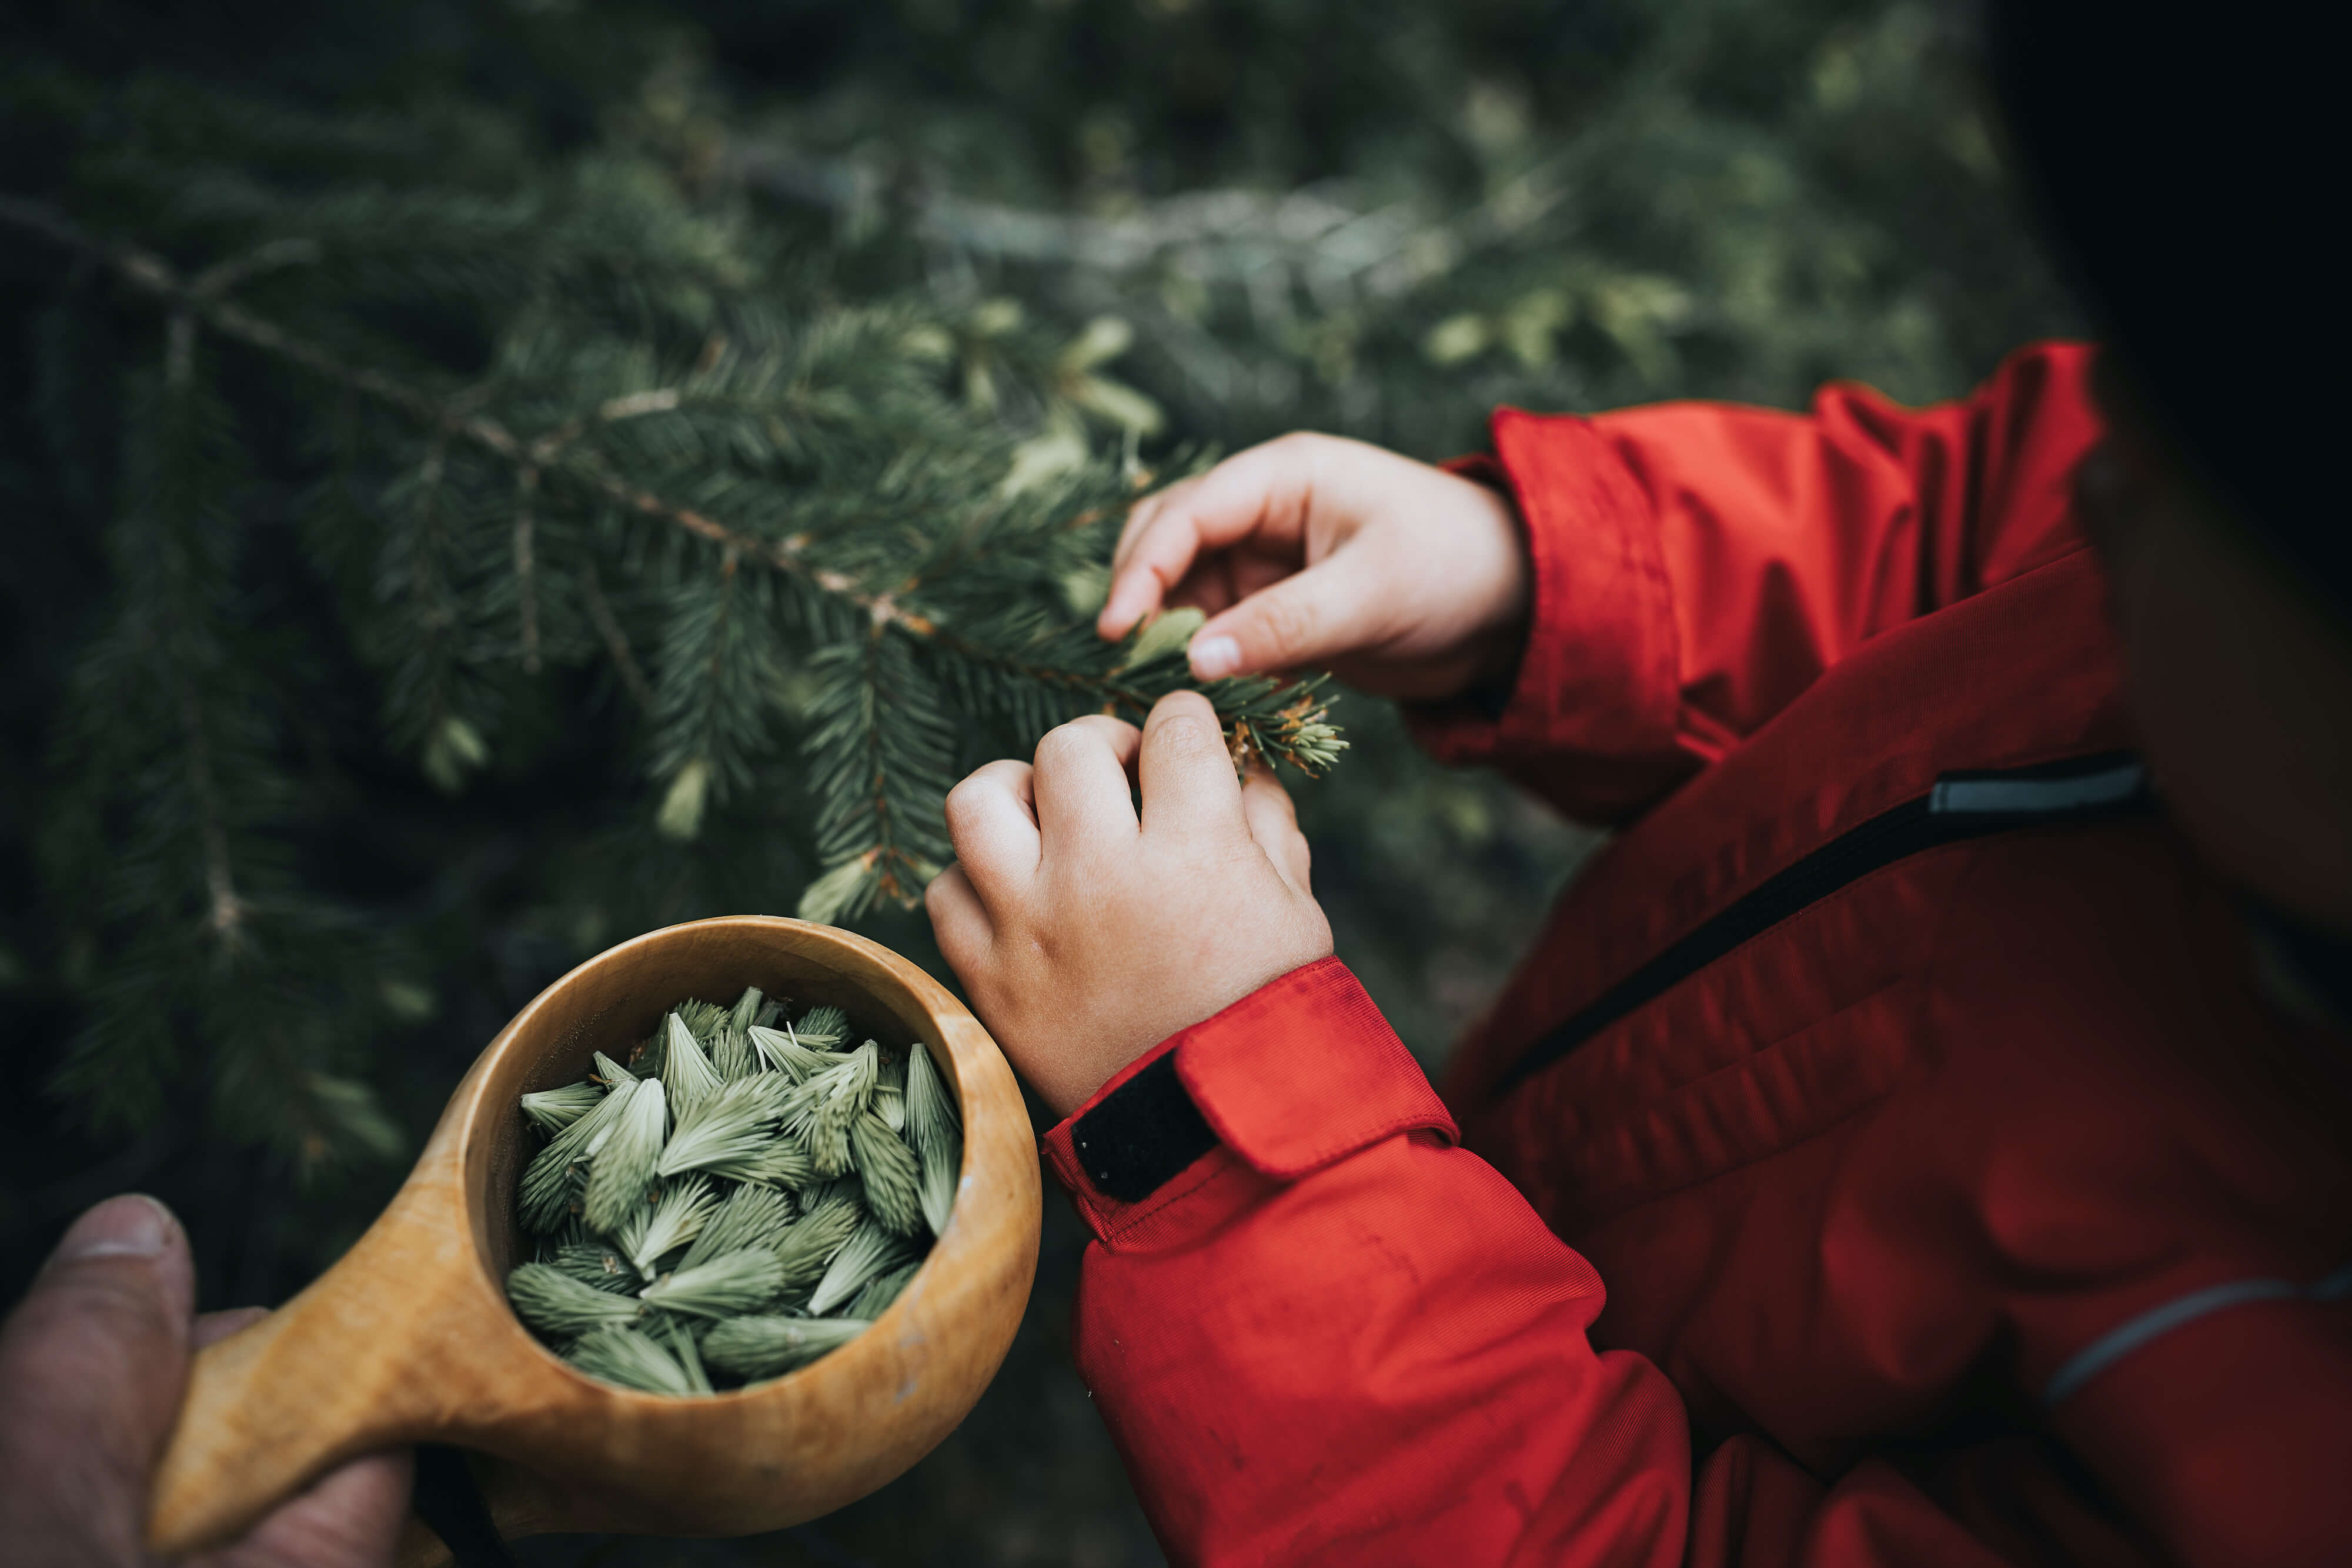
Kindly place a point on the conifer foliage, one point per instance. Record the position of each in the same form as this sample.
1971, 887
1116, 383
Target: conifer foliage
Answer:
775, 524
493, 476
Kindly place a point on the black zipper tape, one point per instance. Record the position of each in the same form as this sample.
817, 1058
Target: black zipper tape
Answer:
1962, 806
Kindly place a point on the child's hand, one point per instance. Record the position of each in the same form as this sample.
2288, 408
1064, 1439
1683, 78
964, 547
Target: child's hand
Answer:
1083, 937
1401, 579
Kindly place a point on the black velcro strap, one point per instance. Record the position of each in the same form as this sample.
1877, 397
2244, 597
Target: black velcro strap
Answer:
451, 1505
1143, 1133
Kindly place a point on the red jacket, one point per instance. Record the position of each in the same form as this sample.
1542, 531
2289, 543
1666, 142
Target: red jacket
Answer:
1957, 1200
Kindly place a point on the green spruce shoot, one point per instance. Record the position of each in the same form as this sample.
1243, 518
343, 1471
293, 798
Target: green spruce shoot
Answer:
562, 1307
727, 1287
937, 1132
770, 1346
661, 1212
631, 1359
622, 1157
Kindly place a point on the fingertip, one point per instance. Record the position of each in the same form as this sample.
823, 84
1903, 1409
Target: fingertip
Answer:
1132, 594
1181, 705
1214, 658
128, 1225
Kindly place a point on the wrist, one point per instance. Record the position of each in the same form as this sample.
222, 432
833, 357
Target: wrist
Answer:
1493, 653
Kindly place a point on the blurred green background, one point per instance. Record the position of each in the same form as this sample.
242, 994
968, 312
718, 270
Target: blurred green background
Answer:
1380, 217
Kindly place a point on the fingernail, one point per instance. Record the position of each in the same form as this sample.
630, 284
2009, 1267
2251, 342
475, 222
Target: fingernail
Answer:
131, 1225
1214, 658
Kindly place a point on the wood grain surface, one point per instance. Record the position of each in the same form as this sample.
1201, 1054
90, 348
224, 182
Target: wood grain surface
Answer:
409, 1338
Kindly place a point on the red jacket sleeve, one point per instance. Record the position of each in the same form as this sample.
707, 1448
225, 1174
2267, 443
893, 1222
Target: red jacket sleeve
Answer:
1697, 565
1336, 1338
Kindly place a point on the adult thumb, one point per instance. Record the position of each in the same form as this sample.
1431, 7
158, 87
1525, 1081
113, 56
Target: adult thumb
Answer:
1309, 618
93, 1364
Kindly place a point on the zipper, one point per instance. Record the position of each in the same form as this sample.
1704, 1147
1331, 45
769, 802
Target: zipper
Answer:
1961, 806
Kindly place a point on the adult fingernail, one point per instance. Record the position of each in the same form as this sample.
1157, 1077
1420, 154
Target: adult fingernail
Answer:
131, 1225
1214, 658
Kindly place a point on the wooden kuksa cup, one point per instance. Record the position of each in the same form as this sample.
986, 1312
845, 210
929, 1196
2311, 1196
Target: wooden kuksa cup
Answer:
409, 1338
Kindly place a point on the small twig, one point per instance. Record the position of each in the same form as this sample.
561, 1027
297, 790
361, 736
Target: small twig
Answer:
526, 573
153, 274
616, 642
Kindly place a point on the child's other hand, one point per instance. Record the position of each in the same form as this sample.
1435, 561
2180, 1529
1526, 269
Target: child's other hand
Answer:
1085, 935
1401, 579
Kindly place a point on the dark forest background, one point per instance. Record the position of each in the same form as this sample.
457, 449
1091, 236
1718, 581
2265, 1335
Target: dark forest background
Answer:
1381, 217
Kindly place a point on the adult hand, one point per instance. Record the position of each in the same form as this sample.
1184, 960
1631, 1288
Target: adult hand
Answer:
1401, 579
1085, 932
92, 1363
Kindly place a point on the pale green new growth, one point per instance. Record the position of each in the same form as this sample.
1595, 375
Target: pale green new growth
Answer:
730, 1126
782, 1164
731, 1054
752, 1217
887, 1167
674, 1178
725, 1287
684, 1068
822, 1028
823, 1108
681, 1340
552, 1110
703, 1017
562, 1307
770, 1346
873, 1250
808, 1247
551, 1183
881, 1290
594, 1264
785, 1050
622, 1158
632, 1360
890, 1093
664, 1226
937, 1132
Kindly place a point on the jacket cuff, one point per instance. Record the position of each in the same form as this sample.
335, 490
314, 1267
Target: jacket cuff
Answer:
1301, 1073
1600, 672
